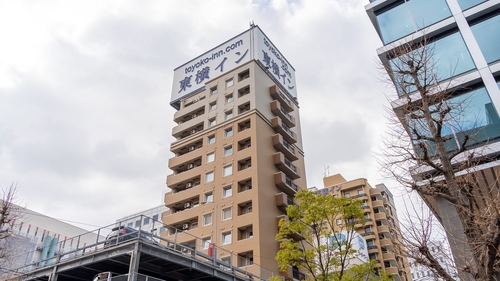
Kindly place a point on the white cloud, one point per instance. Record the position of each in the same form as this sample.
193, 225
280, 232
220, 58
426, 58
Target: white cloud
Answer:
85, 120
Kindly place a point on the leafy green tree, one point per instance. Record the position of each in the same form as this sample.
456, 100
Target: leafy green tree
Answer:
318, 238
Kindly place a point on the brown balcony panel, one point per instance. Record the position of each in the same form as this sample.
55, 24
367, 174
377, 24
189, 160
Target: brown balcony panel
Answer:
383, 229
280, 111
392, 270
377, 203
380, 216
388, 256
281, 97
289, 169
283, 201
279, 127
295, 236
279, 144
173, 198
174, 179
385, 242
286, 185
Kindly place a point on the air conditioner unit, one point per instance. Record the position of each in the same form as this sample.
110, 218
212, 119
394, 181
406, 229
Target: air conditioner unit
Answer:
185, 226
249, 165
188, 185
187, 205
190, 166
194, 115
191, 148
249, 186
193, 132
249, 145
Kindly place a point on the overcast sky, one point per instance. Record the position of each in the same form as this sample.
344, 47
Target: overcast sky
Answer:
85, 120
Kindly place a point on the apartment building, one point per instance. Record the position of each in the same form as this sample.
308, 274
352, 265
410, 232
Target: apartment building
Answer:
463, 36
238, 152
381, 230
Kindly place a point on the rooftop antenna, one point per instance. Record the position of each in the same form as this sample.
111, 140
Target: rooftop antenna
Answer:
252, 24
327, 172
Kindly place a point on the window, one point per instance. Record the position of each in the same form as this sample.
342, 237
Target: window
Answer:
227, 213
228, 150
207, 219
229, 83
210, 157
206, 243
410, 15
339, 222
227, 191
213, 90
347, 194
146, 220
490, 47
229, 98
368, 230
229, 115
243, 75
209, 197
130, 224
466, 4
211, 139
213, 105
228, 132
361, 192
211, 122
155, 217
209, 177
227, 171
226, 238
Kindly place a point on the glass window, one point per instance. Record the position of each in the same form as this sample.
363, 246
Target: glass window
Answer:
498, 83
228, 170
137, 223
471, 114
146, 220
209, 197
466, 4
213, 106
206, 243
228, 132
207, 219
227, 191
210, 157
228, 150
213, 90
489, 44
209, 177
229, 98
227, 213
211, 139
347, 194
397, 22
212, 122
339, 221
450, 57
130, 224
229, 83
361, 192
226, 238
229, 114
155, 217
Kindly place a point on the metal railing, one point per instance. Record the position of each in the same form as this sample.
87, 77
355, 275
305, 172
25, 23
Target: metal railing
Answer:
182, 243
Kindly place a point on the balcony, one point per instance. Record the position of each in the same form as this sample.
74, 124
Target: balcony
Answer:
380, 216
185, 149
282, 145
377, 203
280, 111
283, 201
388, 256
175, 179
181, 116
386, 243
285, 184
383, 229
286, 166
281, 97
284, 130
187, 129
296, 236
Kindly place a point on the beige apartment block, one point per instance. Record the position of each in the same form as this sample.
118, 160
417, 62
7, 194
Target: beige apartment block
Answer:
381, 230
238, 163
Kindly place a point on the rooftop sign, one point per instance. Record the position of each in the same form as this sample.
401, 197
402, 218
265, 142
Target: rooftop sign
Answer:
249, 45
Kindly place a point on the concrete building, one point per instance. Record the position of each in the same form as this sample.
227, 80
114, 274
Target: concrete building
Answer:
38, 238
442, 253
463, 36
381, 230
147, 220
238, 151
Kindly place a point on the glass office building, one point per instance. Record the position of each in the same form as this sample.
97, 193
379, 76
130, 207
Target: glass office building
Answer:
464, 36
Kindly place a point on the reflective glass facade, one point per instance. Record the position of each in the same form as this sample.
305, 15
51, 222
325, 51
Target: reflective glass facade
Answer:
487, 34
410, 16
466, 4
450, 57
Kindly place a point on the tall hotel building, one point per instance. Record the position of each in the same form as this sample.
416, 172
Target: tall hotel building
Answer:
381, 230
465, 38
238, 151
